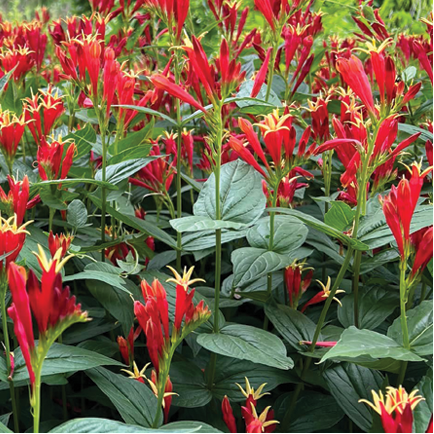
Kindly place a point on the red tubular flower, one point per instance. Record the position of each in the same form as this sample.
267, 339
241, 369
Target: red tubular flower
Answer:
41, 112
163, 83
320, 119
49, 303
322, 295
258, 423
395, 409
36, 40
228, 415
153, 318
230, 71
89, 59
17, 200
261, 75
12, 237
126, 346
295, 284
19, 58
11, 131
323, 344
430, 425
110, 77
19, 311
56, 242
157, 175
354, 75
168, 389
266, 9
399, 206
200, 67
239, 147
184, 307
124, 349
51, 163
422, 240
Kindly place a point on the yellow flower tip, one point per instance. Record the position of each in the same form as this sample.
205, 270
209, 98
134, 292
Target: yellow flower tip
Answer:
394, 400
135, 373
250, 391
185, 279
46, 263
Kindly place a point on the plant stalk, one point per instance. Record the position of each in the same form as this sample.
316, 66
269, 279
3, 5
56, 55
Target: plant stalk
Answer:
218, 243
8, 352
404, 326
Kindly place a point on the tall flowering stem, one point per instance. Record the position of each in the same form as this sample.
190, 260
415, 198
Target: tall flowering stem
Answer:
53, 309
398, 208
153, 318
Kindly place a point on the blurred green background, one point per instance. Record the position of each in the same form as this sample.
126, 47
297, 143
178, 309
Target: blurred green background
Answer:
399, 14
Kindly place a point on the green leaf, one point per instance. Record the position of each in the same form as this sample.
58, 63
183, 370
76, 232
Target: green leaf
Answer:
3, 82
131, 141
120, 171
251, 263
289, 234
136, 223
354, 343
324, 407
375, 232
411, 129
193, 242
4, 429
340, 216
130, 153
375, 305
134, 400
248, 343
61, 359
68, 182
319, 225
231, 371
77, 214
199, 223
292, 325
99, 425
189, 426
241, 197
117, 302
190, 385
420, 328
92, 272
148, 111
423, 411
84, 139
348, 383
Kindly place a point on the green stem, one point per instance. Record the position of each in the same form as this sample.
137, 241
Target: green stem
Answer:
404, 326
162, 380
8, 352
36, 397
356, 278
360, 205
271, 72
104, 178
178, 187
270, 247
50, 218
218, 243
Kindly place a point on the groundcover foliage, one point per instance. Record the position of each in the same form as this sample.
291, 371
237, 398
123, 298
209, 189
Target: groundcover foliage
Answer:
216, 217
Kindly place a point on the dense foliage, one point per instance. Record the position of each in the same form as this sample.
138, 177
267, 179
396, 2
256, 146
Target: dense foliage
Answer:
216, 218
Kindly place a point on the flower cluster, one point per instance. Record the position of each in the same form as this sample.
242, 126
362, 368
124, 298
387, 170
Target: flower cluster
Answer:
395, 408
254, 423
